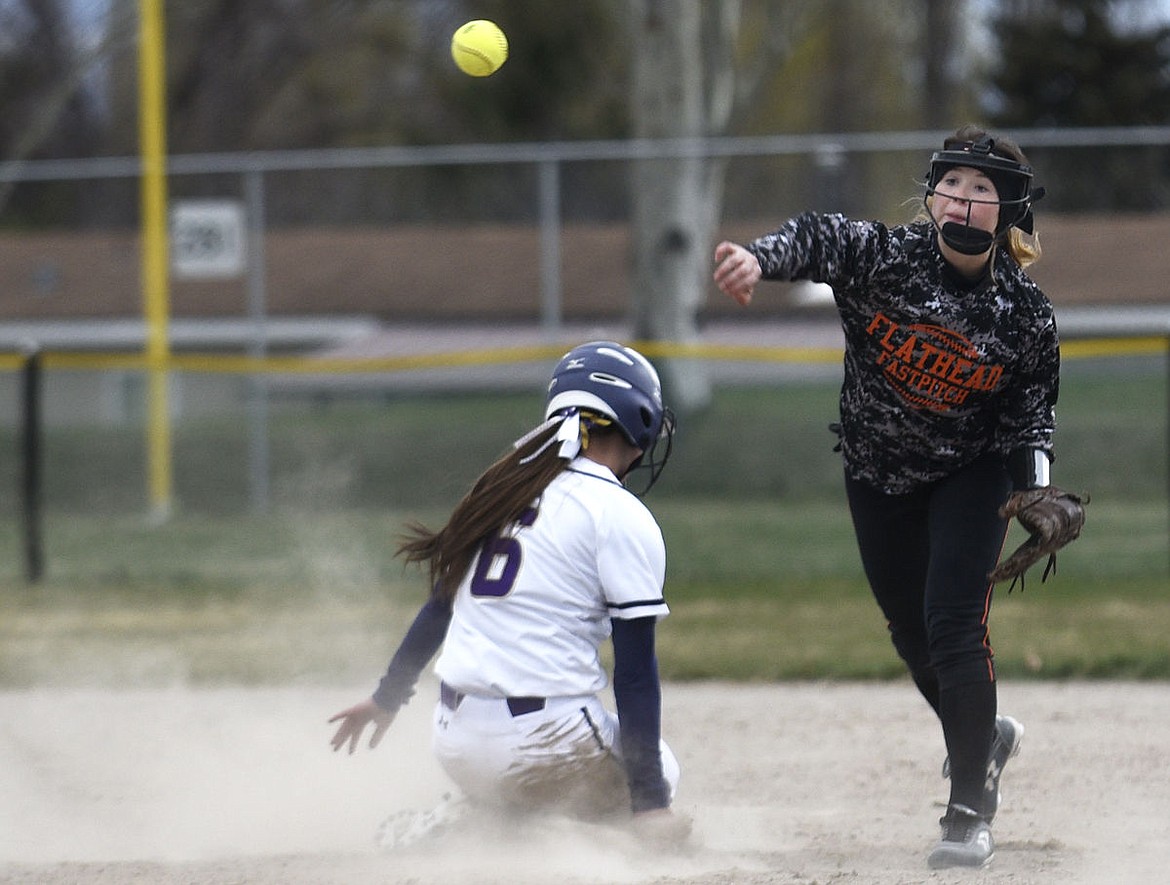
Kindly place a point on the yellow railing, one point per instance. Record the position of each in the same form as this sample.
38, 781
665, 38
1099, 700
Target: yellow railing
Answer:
215, 363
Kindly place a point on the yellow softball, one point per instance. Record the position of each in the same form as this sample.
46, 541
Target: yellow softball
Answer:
479, 48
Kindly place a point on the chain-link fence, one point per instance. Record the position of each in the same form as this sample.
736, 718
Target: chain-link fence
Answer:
395, 312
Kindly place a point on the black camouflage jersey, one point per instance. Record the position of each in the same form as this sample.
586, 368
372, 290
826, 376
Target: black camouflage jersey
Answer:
938, 371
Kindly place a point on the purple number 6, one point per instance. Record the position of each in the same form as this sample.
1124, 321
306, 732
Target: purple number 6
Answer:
499, 561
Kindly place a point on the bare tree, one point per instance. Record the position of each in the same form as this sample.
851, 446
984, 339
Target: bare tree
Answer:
939, 45
43, 65
672, 199
700, 65
686, 85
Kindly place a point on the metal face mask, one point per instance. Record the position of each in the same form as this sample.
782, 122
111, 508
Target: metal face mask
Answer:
1013, 183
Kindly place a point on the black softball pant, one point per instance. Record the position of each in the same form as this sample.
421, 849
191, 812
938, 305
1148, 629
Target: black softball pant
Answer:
926, 556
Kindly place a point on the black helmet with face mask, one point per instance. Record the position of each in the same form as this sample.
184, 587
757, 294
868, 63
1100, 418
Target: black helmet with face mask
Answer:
1013, 183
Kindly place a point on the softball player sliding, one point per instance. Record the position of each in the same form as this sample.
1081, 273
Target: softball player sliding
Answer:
547, 556
952, 368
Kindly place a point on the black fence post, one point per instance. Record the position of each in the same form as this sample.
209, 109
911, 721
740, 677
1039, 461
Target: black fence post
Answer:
30, 448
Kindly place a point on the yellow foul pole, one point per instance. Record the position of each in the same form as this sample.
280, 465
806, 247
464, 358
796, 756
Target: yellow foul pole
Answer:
155, 257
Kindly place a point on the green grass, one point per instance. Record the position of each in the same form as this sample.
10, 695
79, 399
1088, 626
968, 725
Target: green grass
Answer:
772, 591
416, 451
763, 575
758, 590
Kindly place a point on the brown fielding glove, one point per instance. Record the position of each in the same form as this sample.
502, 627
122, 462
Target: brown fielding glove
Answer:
1052, 518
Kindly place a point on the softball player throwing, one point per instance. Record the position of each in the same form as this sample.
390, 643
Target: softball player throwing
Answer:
547, 556
947, 415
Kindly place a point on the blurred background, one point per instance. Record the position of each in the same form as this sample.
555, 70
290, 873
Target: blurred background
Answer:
373, 259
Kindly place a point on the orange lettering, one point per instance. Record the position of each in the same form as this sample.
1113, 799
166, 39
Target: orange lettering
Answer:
927, 351
906, 351
943, 364
962, 366
878, 318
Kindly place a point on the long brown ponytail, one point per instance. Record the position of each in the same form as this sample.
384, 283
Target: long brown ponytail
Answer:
496, 500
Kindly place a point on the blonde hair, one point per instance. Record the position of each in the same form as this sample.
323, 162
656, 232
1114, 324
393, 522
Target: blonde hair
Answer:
1024, 248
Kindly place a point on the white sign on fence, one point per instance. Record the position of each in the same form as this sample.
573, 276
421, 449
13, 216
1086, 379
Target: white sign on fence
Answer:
207, 239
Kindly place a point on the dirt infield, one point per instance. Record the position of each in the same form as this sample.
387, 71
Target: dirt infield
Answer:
794, 783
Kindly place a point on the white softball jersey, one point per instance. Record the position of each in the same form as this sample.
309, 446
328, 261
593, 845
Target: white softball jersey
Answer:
532, 612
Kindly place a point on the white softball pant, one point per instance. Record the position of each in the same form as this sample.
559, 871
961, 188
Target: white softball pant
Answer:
564, 756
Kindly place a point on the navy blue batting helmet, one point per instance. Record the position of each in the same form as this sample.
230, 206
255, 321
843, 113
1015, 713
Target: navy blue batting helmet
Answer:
616, 381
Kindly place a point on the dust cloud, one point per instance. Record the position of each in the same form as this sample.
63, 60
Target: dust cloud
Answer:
792, 782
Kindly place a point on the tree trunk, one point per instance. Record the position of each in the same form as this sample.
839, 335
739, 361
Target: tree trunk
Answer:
676, 201
939, 40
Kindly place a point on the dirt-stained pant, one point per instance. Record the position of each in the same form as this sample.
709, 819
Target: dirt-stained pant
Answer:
564, 756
